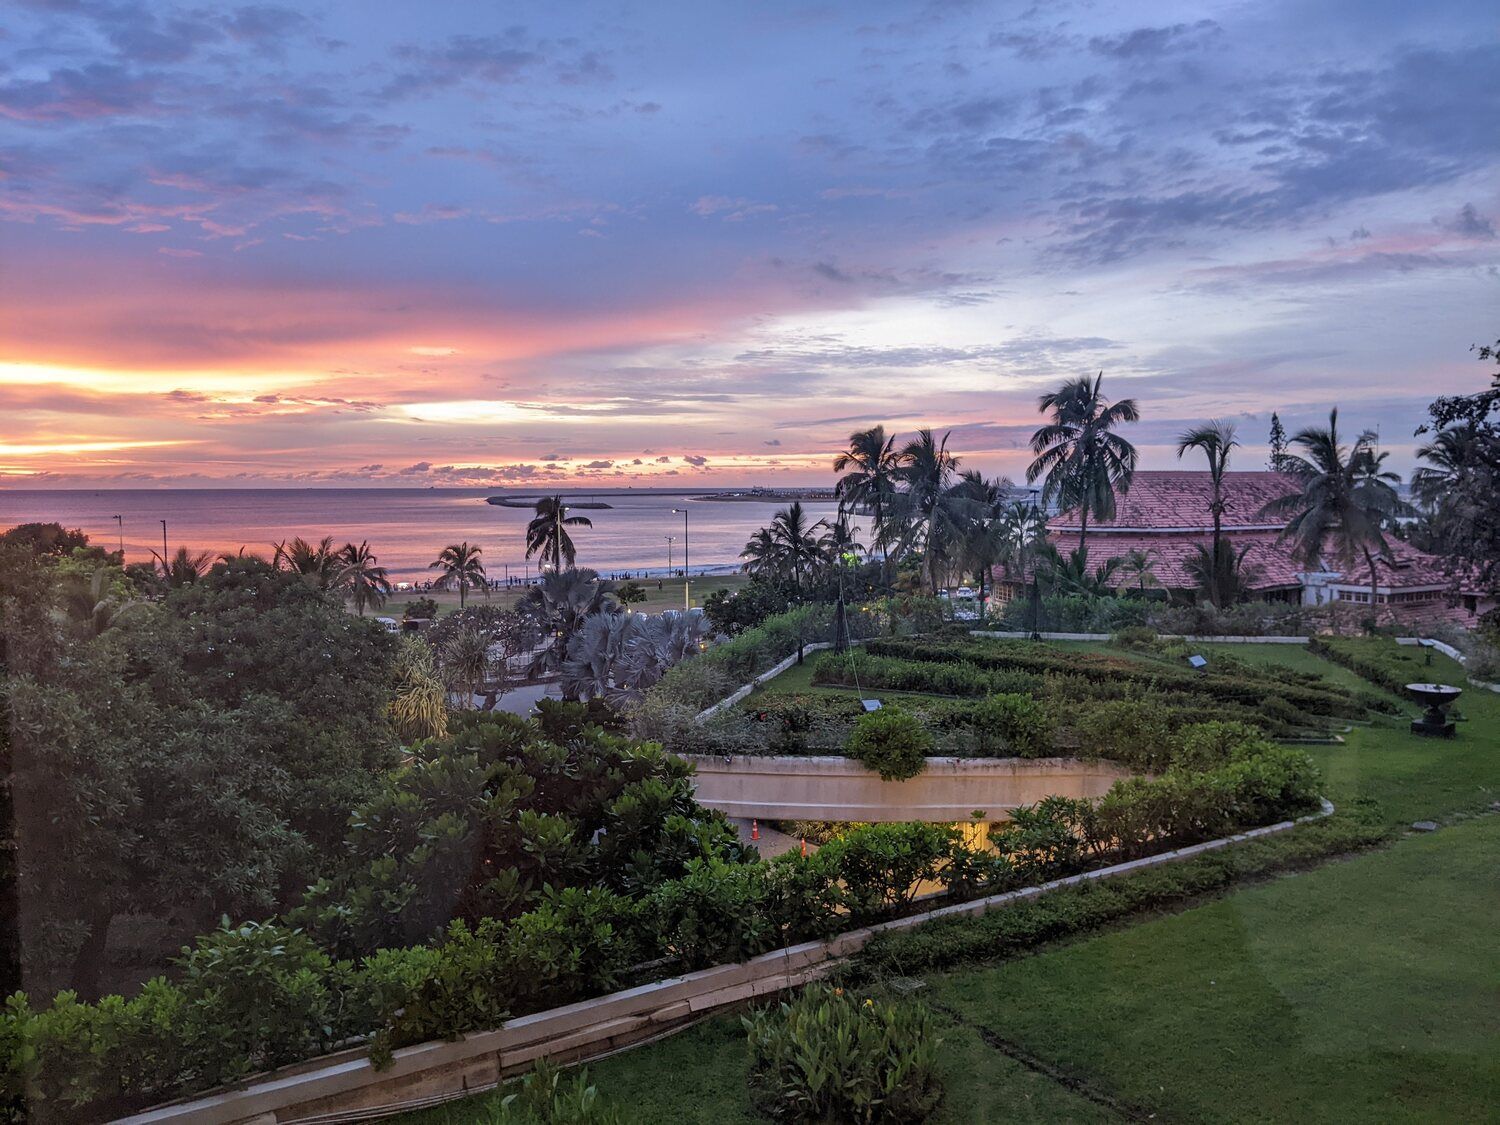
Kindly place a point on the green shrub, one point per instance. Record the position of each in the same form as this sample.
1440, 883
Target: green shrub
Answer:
715, 913
1135, 732
1141, 638
880, 867
828, 1056
542, 1098
1016, 724
891, 742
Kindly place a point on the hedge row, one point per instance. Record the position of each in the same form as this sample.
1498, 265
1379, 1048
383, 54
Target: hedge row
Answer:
1024, 926
1228, 680
1379, 660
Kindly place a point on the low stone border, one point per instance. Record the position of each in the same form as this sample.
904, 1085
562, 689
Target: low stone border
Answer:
346, 1087
1021, 635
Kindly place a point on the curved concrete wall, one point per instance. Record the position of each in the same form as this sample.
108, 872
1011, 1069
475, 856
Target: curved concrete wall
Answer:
834, 788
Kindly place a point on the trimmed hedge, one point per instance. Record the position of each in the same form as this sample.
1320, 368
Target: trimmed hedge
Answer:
1381, 661
1019, 928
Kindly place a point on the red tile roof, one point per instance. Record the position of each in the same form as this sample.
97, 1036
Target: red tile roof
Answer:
1269, 563
1167, 512
1179, 500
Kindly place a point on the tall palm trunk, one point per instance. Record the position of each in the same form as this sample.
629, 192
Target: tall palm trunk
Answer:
1215, 589
1374, 587
1083, 529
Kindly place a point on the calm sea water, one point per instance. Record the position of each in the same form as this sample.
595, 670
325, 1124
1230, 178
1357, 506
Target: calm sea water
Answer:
406, 527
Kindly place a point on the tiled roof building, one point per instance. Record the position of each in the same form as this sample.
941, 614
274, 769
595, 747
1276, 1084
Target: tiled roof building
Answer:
1167, 513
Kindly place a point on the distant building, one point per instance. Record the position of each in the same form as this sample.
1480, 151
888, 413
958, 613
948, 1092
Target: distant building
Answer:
1167, 513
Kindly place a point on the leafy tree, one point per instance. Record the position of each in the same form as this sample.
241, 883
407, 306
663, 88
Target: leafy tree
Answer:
1084, 461
630, 593
1462, 479
461, 566
1344, 499
49, 539
547, 533
1215, 440
988, 540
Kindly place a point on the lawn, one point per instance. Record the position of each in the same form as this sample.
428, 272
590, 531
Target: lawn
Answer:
1363, 990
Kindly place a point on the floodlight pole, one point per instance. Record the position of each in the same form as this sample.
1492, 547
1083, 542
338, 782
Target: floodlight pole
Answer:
1036, 586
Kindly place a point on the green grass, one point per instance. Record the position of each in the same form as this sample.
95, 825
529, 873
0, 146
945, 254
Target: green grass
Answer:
1363, 990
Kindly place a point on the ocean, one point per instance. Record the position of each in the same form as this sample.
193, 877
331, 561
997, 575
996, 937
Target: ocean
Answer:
406, 527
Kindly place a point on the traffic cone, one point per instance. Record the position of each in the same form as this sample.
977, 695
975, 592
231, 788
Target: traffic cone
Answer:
754, 829
804, 847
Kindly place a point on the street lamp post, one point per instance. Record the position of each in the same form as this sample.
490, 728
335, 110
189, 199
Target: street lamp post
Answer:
687, 574
670, 540
120, 523
164, 546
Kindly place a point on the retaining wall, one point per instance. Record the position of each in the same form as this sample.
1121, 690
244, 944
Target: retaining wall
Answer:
839, 788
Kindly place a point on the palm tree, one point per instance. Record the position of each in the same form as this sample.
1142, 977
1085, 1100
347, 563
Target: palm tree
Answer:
465, 661
798, 548
93, 602
1084, 461
987, 541
1070, 573
1139, 566
1448, 455
461, 567
760, 554
184, 568
1215, 439
1223, 574
870, 466
934, 513
546, 534
558, 606
318, 563
1344, 499
368, 583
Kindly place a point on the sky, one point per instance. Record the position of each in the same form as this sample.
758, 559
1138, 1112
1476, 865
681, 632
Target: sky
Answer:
512, 244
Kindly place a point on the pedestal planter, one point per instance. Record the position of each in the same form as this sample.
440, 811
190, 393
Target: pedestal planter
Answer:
1434, 722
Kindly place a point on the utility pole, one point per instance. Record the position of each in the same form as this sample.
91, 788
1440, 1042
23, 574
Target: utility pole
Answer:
120, 524
164, 546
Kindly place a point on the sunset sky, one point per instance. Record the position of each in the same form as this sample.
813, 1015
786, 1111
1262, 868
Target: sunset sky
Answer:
465, 243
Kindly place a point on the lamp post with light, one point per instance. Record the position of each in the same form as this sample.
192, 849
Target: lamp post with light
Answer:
670, 540
120, 524
686, 572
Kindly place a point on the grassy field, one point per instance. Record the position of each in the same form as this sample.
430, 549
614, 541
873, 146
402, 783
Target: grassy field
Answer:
668, 597
1363, 990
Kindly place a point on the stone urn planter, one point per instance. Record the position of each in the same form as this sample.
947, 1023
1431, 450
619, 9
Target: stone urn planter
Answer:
1434, 722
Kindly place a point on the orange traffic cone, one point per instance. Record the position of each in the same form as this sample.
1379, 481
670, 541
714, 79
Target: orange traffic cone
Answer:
804, 847
754, 829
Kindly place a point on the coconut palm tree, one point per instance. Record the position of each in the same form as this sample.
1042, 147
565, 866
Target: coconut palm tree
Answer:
1344, 498
870, 467
318, 563
184, 568
1215, 439
461, 567
1448, 455
1223, 574
761, 554
798, 546
987, 539
367, 581
547, 534
1138, 568
1084, 461
932, 511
